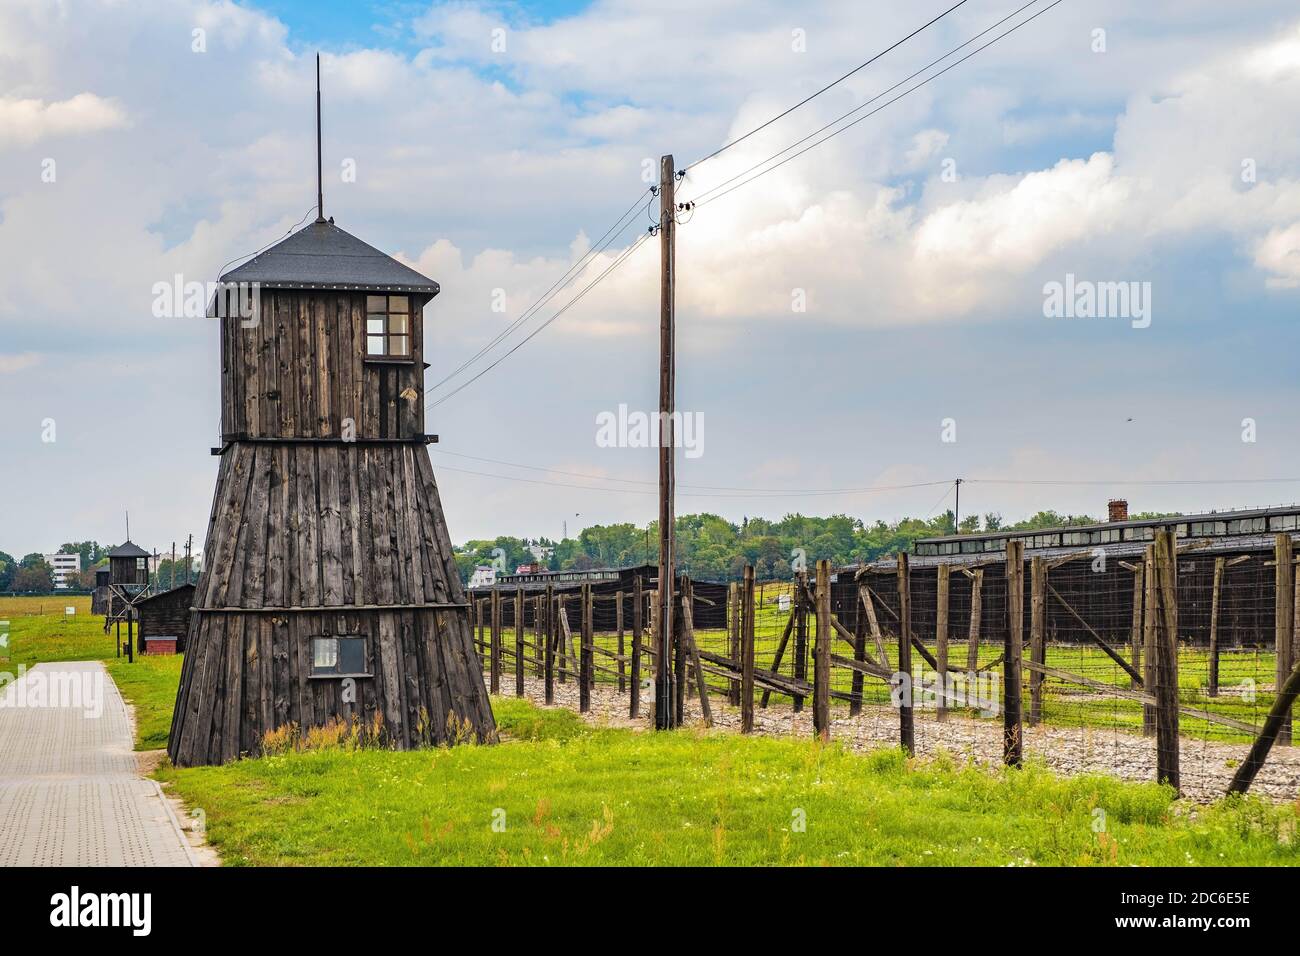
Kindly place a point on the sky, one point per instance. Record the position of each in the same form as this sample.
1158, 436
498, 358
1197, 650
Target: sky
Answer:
855, 329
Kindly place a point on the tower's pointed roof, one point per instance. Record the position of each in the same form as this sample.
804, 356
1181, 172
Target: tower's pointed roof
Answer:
323, 256
128, 549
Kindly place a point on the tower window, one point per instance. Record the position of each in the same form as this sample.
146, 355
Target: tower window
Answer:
388, 325
338, 657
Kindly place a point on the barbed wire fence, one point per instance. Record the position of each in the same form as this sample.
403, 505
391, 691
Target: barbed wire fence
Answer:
1173, 662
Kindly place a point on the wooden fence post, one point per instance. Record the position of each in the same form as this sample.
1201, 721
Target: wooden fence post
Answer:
622, 648
680, 670
906, 720
584, 653
539, 651
1166, 689
733, 640
688, 638
746, 608
549, 662
519, 642
634, 702
1136, 635
859, 654
1037, 635
976, 613
822, 655
494, 651
942, 573
1283, 622
561, 629
1150, 611
1012, 730
1212, 679
800, 634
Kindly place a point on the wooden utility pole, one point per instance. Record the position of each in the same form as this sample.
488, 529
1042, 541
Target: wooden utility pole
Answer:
189, 551
665, 693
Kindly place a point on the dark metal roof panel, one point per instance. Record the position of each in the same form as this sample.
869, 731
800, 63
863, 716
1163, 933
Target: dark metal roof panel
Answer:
323, 256
128, 550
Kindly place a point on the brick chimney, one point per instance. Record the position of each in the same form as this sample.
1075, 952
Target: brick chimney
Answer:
1117, 509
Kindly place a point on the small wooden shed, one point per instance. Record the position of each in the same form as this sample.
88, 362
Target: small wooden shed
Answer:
165, 621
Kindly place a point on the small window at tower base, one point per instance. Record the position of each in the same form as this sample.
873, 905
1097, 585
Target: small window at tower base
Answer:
338, 657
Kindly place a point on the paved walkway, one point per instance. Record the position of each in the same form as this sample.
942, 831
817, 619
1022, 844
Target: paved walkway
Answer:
70, 793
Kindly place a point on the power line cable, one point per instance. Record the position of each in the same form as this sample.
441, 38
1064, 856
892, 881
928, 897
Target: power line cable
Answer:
719, 195
864, 105
619, 260
810, 98
573, 272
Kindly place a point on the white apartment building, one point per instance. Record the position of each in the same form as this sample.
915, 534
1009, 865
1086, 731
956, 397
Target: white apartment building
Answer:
484, 576
63, 565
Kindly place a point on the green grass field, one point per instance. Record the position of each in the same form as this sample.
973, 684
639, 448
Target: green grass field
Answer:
563, 793
571, 794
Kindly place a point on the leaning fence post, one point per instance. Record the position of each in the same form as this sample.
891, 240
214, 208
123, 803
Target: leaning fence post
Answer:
549, 662
1166, 689
1283, 621
1012, 731
634, 703
1282, 704
746, 608
906, 721
1037, 636
584, 652
822, 654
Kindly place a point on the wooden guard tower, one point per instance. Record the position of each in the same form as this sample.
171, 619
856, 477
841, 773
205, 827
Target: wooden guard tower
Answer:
329, 590
128, 585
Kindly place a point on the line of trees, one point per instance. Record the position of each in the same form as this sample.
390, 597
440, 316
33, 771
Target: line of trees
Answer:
711, 548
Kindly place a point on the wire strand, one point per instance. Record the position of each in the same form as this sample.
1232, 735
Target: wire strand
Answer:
810, 98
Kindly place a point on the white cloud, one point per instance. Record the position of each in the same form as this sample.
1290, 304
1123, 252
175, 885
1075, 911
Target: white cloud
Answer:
24, 122
17, 363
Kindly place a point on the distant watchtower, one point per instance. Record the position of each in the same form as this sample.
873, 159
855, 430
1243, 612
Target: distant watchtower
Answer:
329, 591
128, 584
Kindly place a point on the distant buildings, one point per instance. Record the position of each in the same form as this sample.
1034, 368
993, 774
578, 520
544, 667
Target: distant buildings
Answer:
63, 565
484, 576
